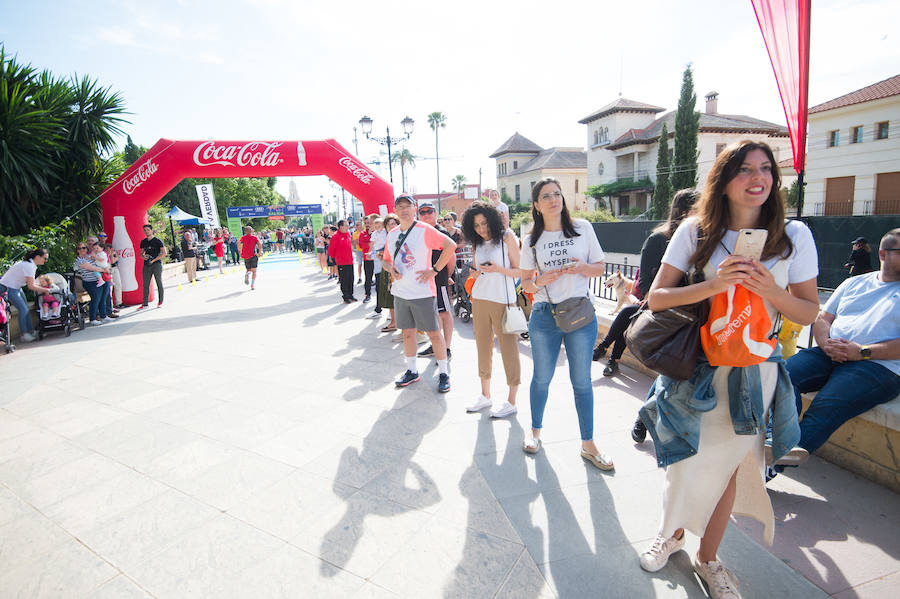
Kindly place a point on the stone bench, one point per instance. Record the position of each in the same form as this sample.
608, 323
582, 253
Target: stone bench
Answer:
868, 445
604, 321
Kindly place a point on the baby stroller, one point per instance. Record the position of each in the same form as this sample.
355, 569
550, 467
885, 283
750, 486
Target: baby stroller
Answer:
462, 307
59, 311
5, 315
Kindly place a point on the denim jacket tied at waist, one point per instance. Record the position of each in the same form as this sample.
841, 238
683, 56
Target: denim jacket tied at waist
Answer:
673, 410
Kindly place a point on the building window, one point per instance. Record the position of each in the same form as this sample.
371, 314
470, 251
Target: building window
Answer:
503, 192
515, 164
600, 169
833, 137
881, 130
532, 184
719, 148
576, 185
596, 138
518, 196
856, 134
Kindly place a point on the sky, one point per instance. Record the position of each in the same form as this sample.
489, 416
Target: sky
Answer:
310, 69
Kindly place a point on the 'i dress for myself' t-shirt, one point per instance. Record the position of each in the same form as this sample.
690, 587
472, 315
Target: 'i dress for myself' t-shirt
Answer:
413, 256
554, 251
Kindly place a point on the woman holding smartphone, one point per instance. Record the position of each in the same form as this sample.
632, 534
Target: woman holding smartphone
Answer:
722, 471
559, 258
495, 263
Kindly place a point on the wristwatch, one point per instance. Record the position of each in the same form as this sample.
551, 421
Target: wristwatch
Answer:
436, 271
866, 352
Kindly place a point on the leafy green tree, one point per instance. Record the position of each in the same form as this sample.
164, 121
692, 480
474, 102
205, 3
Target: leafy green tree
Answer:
131, 152
687, 126
437, 120
662, 193
404, 158
54, 135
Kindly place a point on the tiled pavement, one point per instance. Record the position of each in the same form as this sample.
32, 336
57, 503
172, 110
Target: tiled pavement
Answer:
252, 444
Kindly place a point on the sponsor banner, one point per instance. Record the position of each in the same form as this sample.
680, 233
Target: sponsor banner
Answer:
247, 211
254, 153
234, 225
138, 177
208, 207
276, 217
317, 221
356, 169
302, 209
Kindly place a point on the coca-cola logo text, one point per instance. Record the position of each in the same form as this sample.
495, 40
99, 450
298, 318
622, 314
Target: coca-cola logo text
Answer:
356, 170
139, 176
125, 253
254, 153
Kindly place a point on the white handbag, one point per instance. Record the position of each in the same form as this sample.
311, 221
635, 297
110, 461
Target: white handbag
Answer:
514, 321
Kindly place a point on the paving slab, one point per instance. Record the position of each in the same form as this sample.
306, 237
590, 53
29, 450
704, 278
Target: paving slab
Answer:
239, 443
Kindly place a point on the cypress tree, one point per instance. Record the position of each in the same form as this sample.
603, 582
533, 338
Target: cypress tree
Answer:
687, 124
662, 193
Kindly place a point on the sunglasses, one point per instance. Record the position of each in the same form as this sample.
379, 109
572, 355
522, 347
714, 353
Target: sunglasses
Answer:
81, 247
426, 211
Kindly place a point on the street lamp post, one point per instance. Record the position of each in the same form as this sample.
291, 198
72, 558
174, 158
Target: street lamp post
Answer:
387, 140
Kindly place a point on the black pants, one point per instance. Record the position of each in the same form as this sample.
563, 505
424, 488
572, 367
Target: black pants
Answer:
233, 253
616, 333
368, 269
345, 279
155, 270
378, 276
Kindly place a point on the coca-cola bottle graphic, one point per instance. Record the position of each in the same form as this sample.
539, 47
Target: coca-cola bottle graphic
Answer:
301, 154
125, 251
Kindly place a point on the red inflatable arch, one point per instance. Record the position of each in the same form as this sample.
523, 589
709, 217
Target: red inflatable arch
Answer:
125, 202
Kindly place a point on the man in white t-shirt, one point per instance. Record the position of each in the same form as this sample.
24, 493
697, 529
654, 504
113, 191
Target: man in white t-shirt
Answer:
494, 196
407, 258
856, 364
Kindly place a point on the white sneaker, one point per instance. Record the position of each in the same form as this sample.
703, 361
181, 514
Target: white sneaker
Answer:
507, 409
719, 581
657, 555
374, 315
795, 457
481, 403
29, 336
398, 336
421, 338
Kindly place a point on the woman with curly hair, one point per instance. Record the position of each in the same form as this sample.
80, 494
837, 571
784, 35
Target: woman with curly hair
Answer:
495, 263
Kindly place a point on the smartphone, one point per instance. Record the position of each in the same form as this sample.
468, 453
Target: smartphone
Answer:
486, 264
750, 243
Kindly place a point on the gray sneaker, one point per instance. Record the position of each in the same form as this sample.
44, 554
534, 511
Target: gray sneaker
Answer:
720, 583
507, 409
657, 555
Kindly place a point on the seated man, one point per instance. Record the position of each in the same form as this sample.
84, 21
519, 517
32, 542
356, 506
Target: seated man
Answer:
856, 365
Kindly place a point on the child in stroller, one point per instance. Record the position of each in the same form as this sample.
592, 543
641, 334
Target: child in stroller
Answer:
58, 309
48, 303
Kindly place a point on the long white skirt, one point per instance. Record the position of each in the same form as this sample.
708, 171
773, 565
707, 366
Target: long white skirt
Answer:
695, 485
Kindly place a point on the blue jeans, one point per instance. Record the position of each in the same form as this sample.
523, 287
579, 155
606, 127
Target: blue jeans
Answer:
98, 298
546, 339
107, 297
17, 299
845, 390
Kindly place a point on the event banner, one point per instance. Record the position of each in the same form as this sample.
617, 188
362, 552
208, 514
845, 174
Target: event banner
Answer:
208, 207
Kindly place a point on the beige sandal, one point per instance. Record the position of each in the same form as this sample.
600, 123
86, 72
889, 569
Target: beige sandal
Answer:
602, 461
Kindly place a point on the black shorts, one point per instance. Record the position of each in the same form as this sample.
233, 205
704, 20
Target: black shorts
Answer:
443, 298
251, 262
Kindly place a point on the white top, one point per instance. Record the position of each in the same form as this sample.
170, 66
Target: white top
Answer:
14, 278
489, 286
866, 311
413, 256
554, 250
378, 240
803, 263
502, 208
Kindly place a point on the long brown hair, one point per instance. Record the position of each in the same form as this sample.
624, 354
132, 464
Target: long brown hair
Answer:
714, 215
682, 204
568, 227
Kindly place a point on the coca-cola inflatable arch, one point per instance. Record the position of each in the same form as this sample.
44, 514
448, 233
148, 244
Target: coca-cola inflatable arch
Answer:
125, 202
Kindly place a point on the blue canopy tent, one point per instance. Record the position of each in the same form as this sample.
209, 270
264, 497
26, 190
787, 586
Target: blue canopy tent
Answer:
181, 217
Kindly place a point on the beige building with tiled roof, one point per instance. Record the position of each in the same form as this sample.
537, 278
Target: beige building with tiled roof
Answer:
521, 163
623, 140
853, 153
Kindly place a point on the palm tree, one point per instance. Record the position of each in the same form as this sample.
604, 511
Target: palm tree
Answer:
459, 184
404, 157
437, 120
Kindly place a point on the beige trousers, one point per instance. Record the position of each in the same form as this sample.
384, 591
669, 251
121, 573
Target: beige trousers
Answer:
190, 267
487, 320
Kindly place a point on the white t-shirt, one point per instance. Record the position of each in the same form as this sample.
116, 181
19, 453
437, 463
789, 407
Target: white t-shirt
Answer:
377, 241
802, 264
14, 278
490, 285
554, 250
414, 256
866, 311
502, 208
